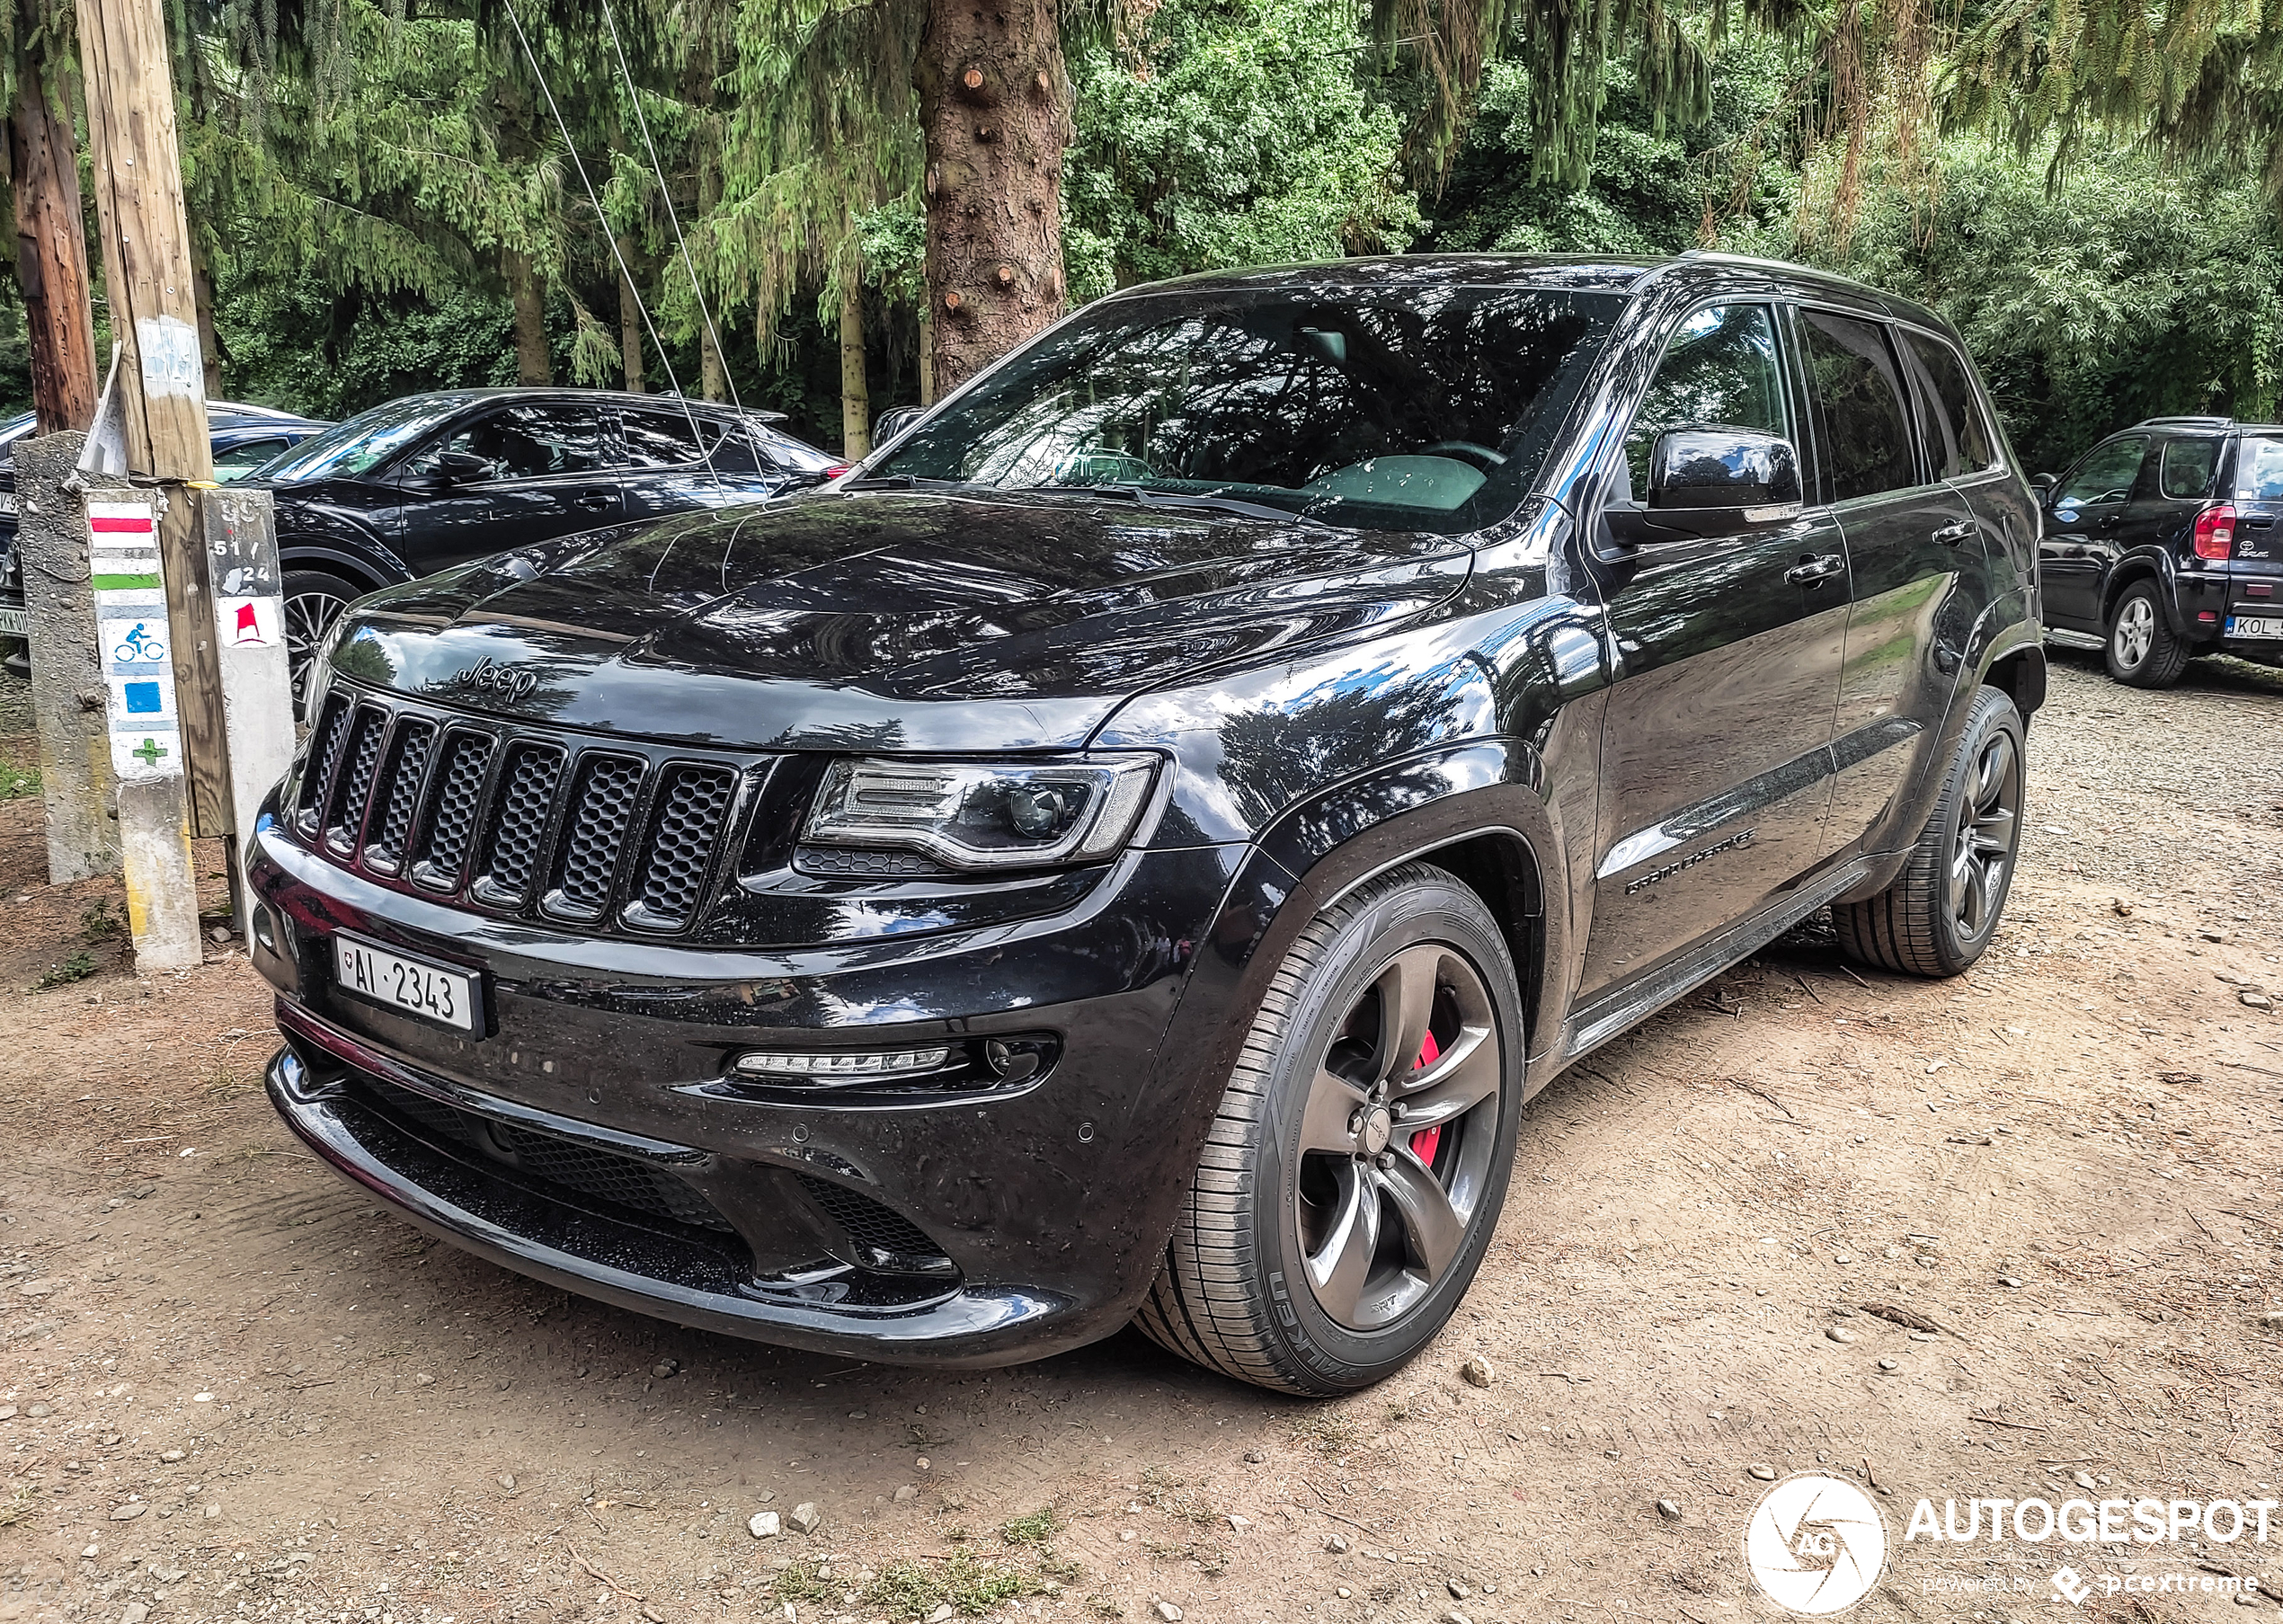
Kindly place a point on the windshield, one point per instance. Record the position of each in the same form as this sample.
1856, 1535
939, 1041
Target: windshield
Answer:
1402, 409
362, 443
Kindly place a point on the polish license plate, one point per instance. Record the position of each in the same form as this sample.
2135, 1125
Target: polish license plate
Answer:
8, 502
419, 986
15, 623
2256, 626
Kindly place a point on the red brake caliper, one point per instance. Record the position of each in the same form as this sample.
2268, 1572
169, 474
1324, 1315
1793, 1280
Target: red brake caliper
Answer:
1425, 1139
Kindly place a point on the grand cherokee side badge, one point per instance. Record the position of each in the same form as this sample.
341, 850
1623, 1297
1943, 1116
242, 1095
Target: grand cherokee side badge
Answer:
1735, 842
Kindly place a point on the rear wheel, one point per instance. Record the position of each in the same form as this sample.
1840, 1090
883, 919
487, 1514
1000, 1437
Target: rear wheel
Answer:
314, 600
2143, 651
1358, 1162
1939, 913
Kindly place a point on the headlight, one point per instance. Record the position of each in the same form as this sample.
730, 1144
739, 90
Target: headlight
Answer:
985, 814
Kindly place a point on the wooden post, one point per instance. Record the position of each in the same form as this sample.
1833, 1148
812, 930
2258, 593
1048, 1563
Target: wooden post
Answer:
67, 684
249, 629
150, 279
51, 251
144, 728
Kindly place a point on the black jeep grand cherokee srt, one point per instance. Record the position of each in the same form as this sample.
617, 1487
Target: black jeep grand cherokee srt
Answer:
1133, 848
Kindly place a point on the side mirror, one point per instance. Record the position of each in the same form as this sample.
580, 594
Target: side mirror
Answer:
461, 467
2044, 484
1740, 473
893, 421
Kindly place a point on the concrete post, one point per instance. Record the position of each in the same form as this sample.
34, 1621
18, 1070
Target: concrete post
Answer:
68, 687
240, 532
144, 724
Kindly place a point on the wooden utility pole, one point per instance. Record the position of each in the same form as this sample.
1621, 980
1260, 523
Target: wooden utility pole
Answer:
161, 378
51, 250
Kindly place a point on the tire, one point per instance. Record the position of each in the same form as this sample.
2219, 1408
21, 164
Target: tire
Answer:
314, 600
1938, 915
2141, 650
1238, 1289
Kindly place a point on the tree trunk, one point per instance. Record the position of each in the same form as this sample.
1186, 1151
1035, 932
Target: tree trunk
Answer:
712, 380
532, 363
51, 257
927, 354
995, 109
855, 399
209, 338
630, 323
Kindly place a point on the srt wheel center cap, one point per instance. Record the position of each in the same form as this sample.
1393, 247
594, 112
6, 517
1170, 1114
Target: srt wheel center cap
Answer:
1378, 1124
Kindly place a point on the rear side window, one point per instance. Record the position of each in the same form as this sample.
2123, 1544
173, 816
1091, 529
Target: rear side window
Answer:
2259, 470
1866, 436
2187, 468
1958, 438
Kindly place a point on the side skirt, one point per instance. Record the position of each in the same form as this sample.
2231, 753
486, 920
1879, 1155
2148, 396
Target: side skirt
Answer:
1609, 1017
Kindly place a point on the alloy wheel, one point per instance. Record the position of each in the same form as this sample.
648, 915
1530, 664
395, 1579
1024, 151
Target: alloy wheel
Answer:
2136, 632
308, 617
1396, 1137
1988, 829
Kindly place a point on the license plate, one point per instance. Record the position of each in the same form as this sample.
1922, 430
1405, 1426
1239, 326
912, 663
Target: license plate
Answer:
395, 981
15, 623
2256, 626
8, 502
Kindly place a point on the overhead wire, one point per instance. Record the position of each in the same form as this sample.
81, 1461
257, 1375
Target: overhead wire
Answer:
594, 198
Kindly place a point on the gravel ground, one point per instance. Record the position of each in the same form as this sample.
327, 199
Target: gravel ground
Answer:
230, 1390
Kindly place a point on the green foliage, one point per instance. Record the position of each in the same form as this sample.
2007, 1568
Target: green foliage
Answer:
79, 967
912, 1589
1037, 1529
17, 782
1651, 182
1236, 133
2135, 291
99, 924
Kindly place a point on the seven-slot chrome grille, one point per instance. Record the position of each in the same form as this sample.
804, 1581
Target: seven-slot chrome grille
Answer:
604, 833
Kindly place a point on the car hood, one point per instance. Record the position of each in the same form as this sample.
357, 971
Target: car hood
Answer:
871, 620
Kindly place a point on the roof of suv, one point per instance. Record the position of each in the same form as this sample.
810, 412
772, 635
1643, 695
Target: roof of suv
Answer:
1612, 273
615, 397
2209, 422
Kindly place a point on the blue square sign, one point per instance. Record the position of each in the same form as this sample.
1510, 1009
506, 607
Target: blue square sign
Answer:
142, 699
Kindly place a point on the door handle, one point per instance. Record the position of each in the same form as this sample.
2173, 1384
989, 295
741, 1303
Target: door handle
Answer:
1811, 569
594, 502
1957, 535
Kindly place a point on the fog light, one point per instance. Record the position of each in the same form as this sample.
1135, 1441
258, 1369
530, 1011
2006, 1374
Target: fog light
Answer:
265, 928
846, 1066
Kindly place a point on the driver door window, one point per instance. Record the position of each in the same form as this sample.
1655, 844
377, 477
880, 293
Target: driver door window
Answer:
2103, 479
522, 442
1721, 369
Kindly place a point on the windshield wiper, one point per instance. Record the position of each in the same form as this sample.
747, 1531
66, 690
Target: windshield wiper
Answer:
1149, 497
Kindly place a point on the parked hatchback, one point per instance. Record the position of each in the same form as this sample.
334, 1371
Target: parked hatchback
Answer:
1131, 851
2163, 543
434, 480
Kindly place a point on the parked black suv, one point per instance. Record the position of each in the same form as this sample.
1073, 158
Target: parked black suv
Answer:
2162, 544
1133, 847
434, 480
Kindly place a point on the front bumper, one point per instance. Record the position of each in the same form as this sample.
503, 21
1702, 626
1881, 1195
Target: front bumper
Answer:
589, 1140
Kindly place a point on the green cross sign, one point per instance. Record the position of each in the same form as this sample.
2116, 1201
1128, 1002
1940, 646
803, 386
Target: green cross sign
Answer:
148, 752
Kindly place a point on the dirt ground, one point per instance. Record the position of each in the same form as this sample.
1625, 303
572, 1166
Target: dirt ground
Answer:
229, 1388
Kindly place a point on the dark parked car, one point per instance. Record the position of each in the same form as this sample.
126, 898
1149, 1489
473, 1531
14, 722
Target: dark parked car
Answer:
245, 438
2162, 544
434, 480
1132, 849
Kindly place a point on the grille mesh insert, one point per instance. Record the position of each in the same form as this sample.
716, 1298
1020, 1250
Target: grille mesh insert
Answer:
451, 819
601, 807
526, 794
331, 733
681, 843
867, 1222
407, 759
347, 809
585, 1169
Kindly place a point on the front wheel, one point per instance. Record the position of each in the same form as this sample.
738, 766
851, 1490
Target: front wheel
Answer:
2141, 650
1358, 1163
314, 600
1938, 915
